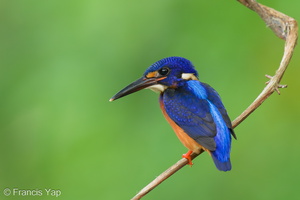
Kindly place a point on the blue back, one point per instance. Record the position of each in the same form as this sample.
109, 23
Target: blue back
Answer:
198, 110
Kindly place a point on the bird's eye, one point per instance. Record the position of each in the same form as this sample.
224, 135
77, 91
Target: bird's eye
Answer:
164, 71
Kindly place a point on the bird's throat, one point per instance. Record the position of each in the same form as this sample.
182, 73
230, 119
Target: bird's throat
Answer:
157, 88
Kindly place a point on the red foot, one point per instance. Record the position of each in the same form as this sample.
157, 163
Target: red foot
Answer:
188, 157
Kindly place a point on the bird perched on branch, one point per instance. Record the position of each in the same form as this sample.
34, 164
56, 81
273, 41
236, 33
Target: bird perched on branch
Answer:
193, 109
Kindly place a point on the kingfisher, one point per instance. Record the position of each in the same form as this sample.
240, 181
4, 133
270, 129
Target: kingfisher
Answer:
193, 108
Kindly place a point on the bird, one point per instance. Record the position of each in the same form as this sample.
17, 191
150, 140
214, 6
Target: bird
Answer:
193, 108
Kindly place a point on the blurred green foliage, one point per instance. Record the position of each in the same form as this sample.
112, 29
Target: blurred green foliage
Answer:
61, 61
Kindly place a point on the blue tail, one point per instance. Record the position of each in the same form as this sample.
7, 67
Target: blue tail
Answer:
222, 166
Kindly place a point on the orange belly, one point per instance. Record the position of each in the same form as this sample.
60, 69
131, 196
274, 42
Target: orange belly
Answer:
186, 140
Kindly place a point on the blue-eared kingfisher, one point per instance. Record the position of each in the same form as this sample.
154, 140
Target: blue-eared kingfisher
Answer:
193, 109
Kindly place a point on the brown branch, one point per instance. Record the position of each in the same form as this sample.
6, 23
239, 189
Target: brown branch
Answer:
285, 28
163, 176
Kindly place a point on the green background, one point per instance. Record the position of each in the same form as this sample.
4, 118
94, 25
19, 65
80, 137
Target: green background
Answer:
61, 61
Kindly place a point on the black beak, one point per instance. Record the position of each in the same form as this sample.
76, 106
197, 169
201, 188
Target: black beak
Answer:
136, 86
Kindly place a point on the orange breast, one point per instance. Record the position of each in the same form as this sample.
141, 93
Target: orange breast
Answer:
186, 140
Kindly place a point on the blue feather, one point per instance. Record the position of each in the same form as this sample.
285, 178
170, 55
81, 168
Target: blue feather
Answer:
198, 110
221, 155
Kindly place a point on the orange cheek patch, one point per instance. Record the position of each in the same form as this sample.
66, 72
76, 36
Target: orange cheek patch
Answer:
151, 74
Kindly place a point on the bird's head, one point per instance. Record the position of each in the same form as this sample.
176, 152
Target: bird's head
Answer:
166, 73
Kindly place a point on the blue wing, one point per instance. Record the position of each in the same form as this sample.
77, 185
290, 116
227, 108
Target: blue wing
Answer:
190, 106
198, 110
214, 97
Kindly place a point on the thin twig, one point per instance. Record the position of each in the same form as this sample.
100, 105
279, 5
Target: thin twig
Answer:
285, 28
163, 176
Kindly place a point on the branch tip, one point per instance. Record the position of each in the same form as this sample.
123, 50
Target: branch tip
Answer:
276, 84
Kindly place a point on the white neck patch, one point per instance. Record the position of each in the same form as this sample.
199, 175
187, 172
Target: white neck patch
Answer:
188, 76
157, 88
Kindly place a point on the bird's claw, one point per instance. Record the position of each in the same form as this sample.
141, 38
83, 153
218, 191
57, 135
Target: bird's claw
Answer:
188, 157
